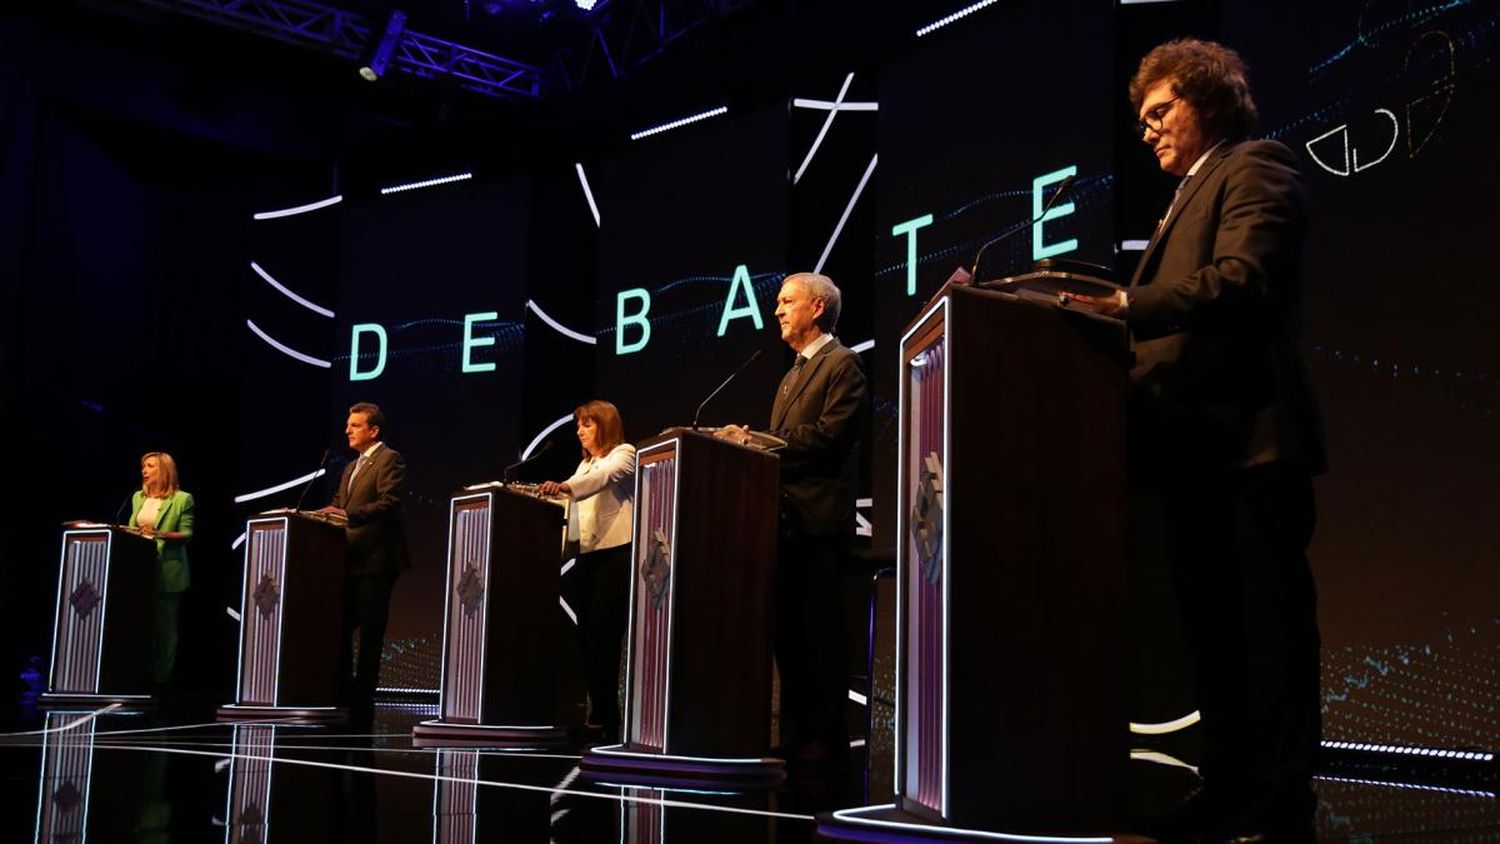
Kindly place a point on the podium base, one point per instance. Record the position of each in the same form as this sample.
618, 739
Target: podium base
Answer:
618, 763
69, 700
886, 823
437, 733
301, 714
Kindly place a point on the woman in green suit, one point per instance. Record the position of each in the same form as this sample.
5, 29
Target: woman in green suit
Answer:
163, 512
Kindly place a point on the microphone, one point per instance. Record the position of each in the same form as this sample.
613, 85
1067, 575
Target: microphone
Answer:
1062, 188
732, 375
122, 509
307, 486
546, 447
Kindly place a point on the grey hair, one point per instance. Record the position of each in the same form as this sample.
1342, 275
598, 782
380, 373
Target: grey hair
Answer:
821, 287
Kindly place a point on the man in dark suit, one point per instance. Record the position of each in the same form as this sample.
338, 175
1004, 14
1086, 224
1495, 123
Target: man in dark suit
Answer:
1224, 433
369, 497
818, 410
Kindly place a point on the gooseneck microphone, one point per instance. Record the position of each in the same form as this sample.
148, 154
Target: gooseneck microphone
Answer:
732, 376
546, 447
123, 510
307, 486
1062, 188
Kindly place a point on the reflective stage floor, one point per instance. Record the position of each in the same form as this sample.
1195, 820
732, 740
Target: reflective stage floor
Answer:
78, 776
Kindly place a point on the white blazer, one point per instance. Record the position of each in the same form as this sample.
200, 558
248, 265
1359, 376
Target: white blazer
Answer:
603, 495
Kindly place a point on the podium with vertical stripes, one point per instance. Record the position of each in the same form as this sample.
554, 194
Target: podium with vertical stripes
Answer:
500, 610
1011, 575
698, 666
291, 612
105, 620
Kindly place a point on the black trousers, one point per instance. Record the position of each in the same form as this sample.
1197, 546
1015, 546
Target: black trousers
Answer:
367, 605
809, 640
1237, 547
603, 590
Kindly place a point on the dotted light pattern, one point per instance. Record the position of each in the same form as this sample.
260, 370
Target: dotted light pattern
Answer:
1443, 696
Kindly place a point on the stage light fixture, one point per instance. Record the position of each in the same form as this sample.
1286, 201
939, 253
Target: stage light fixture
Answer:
377, 53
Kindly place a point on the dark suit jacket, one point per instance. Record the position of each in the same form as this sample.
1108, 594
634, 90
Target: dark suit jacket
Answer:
1215, 313
820, 420
376, 534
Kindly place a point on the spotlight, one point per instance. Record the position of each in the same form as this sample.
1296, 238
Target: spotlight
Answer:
377, 53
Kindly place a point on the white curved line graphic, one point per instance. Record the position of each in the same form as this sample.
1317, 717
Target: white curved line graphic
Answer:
317, 309
1156, 757
300, 209
863, 347
262, 493
559, 327
77, 722
1319, 139
1164, 727
839, 229
543, 435
818, 141
240, 540
287, 350
1395, 136
587, 193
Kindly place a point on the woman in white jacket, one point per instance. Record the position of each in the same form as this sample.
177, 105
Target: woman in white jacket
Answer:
602, 490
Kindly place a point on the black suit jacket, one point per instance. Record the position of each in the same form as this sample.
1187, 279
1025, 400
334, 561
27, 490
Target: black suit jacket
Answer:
376, 535
1215, 313
820, 419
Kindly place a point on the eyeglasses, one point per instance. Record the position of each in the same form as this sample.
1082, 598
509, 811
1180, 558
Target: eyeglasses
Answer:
1153, 119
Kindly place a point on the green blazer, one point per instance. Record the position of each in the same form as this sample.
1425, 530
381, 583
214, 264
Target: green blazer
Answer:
175, 516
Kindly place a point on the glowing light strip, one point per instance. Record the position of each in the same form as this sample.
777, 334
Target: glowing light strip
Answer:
78, 722
240, 540
864, 502
863, 347
1408, 785
287, 350
858, 698
572, 616
942, 22
568, 566
427, 183
300, 209
1156, 757
233, 613
839, 229
587, 193
262, 493
620, 751
1432, 752
675, 124
1164, 727
818, 141
559, 327
317, 309
825, 105
519, 786
537, 440
853, 816
1134, 245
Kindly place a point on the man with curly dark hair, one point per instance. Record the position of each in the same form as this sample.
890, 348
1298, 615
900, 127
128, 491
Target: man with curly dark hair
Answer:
1224, 433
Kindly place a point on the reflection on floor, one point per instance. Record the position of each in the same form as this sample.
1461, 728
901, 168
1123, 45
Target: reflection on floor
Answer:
113, 777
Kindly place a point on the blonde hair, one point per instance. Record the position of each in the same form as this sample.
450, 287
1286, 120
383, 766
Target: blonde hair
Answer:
168, 468
606, 417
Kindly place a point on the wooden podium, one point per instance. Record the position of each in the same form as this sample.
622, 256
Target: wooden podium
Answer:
291, 611
698, 667
106, 618
1011, 573
499, 683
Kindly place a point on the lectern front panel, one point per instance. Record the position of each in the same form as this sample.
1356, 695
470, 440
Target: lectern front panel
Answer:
78, 638
467, 607
922, 565
261, 611
651, 590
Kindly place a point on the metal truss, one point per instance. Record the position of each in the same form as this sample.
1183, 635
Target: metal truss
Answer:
345, 34
630, 34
